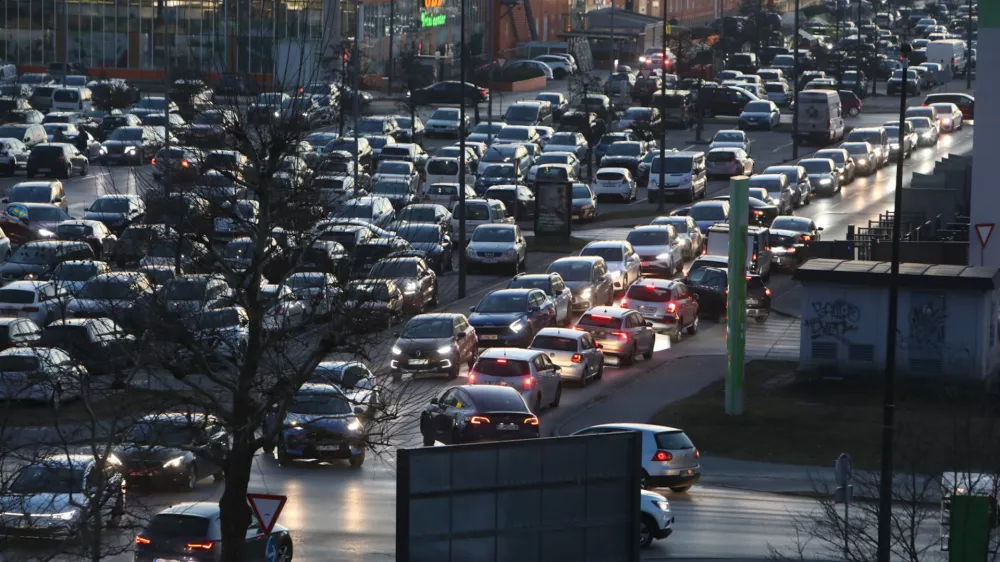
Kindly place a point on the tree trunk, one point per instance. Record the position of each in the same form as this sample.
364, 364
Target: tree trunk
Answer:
233, 505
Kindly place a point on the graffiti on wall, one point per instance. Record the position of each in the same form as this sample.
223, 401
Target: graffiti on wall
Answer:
836, 319
928, 318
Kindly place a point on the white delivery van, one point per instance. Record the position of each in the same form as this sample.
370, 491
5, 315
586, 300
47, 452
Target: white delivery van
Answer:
75, 99
821, 117
684, 176
950, 53
758, 259
445, 170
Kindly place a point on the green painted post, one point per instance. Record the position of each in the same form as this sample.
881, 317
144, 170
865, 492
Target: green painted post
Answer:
739, 209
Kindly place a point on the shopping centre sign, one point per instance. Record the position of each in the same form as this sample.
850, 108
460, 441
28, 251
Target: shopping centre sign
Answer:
432, 20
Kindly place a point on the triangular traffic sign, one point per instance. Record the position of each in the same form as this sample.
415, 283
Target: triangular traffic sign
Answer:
984, 230
501, 62
646, 72
267, 508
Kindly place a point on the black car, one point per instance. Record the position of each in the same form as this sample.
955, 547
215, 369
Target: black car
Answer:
18, 332
596, 103
412, 274
710, 286
724, 100
511, 317
790, 238
559, 103
367, 252
431, 239
320, 423
57, 160
518, 200
645, 87
99, 343
451, 92
174, 448
589, 124
761, 213
235, 84
325, 256
625, 154
112, 122
136, 241
467, 414
554, 287
607, 140
434, 343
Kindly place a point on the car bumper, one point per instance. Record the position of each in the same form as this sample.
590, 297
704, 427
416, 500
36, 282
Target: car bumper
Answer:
571, 371
580, 303
756, 124
615, 192
41, 528
583, 214
500, 260
520, 339
786, 260
154, 476
413, 365
656, 268
613, 346
666, 324
323, 450
758, 312
678, 477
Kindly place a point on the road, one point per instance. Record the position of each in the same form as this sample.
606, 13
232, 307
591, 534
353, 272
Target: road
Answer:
337, 513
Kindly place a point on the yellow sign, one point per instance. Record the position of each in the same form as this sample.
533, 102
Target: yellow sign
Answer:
432, 4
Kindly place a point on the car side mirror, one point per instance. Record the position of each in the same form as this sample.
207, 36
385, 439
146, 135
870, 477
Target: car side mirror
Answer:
472, 309
434, 401
600, 346
649, 324
820, 228
359, 410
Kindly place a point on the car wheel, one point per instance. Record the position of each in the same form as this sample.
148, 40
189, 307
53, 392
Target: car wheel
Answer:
628, 359
853, 112
600, 371
11, 169
537, 407
454, 371
86, 169
648, 354
284, 552
644, 480
428, 441
283, 458
693, 328
358, 460
555, 403
680, 489
69, 171
646, 529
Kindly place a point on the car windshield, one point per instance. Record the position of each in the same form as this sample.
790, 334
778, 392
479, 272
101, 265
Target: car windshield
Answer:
74, 271
673, 440
33, 255
503, 303
416, 233
499, 171
126, 134
552, 158
166, 433
648, 293
758, 106
520, 113
679, 223
152, 103
12, 131
582, 192
394, 168
724, 136
210, 118
52, 479
31, 193
445, 115
671, 165
394, 269
186, 290
442, 167
555, 343
563, 139
368, 292
216, 319
319, 404
384, 187
17, 296
770, 184
102, 289
350, 211
790, 223
177, 526
609, 254
572, 270
610, 175
656, 237
369, 126
625, 149
638, 113
707, 212
493, 234
817, 166
721, 156
428, 328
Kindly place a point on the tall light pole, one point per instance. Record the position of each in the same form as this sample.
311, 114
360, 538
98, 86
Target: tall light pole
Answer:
663, 98
795, 86
461, 158
357, 85
392, 39
491, 63
884, 552
968, 51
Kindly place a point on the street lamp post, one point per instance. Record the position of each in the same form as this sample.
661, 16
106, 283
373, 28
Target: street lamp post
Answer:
357, 85
663, 97
884, 551
795, 86
968, 50
392, 39
461, 157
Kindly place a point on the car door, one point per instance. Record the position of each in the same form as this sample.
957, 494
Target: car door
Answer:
591, 353
550, 378
562, 297
428, 281
632, 264
685, 310
450, 406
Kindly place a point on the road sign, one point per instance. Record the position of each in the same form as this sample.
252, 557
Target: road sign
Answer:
842, 469
645, 72
984, 230
267, 508
501, 62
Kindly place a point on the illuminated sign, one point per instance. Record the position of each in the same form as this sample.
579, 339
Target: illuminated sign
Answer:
431, 20
432, 4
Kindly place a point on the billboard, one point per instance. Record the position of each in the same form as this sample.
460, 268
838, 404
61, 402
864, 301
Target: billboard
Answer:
553, 207
537, 500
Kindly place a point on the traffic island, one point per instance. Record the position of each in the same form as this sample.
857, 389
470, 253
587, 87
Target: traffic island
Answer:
940, 425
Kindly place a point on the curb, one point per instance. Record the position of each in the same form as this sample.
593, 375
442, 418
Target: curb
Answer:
785, 314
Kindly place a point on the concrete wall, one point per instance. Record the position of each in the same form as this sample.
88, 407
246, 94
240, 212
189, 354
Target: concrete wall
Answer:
941, 332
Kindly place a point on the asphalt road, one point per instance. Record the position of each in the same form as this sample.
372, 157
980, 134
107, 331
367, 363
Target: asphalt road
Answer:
337, 513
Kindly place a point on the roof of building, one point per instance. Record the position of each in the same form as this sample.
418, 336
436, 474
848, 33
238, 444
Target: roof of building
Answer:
915, 275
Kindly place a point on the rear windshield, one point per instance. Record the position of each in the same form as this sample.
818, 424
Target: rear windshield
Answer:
609, 254
500, 402
501, 367
442, 167
554, 343
177, 526
648, 293
722, 156
610, 176
673, 440
600, 321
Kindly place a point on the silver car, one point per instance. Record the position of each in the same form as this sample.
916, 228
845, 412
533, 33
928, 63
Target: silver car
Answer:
529, 372
659, 249
317, 291
623, 262
575, 352
690, 236
497, 244
620, 332
669, 458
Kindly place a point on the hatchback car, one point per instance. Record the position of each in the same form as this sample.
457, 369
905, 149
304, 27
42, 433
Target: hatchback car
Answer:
434, 343
576, 353
39, 301
495, 245
471, 413
511, 317
620, 332
623, 262
529, 372
588, 278
615, 183
666, 303
669, 458
56, 160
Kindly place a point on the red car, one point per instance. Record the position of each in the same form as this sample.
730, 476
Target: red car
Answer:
851, 102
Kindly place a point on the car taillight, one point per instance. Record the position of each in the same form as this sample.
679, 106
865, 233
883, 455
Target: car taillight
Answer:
624, 302
620, 335
767, 292
61, 159
484, 92
577, 358
758, 212
533, 420
827, 123
209, 545
805, 237
478, 420
185, 164
139, 539
754, 257
472, 377
697, 454
528, 382
672, 307
663, 456
153, 161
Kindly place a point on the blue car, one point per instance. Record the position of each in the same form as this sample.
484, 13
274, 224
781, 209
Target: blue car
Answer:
320, 423
607, 140
511, 317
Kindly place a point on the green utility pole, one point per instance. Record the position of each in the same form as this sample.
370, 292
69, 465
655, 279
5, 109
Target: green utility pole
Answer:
969, 533
739, 208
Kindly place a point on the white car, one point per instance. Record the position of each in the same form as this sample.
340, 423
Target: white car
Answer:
624, 264
286, 311
560, 66
730, 138
446, 194
669, 458
39, 301
656, 520
446, 121
13, 156
615, 182
316, 290
43, 374
546, 69
567, 158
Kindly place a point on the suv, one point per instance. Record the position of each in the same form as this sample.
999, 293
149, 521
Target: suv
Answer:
530, 113
57, 159
666, 303
620, 332
724, 100
669, 458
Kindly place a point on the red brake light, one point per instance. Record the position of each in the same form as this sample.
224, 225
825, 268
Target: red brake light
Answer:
577, 358
533, 420
201, 545
185, 164
472, 377
139, 539
758, 212
528, 382
767, 292
805, 237
153, 161
621, 335
502, 361
600, 317
755, 257
651, 286
663, 456
672, 307
477, 420
624, 302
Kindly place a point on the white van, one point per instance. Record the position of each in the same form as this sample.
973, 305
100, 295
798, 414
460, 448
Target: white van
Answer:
758, 256
72, 99
821, 117
684, 176
445, 170
480, 211
950, 53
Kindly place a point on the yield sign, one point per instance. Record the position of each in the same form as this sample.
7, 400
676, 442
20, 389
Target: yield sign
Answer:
645, 72
984, 230
501, 62
267, 508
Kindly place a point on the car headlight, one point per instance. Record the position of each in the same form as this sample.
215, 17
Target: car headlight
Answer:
470, 252
862, 161
410, 288
825, 181
45, 232
585, 294
129, 149
511, 252
277, 114
103, 150
444, 349
396, 350
516, 326
354, 426
664, 256
662, 504
174, 462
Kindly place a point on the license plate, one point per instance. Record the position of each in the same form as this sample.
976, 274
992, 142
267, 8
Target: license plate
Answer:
419, 361
44, 170
488, 337
165, 560
507, 426
329, 447
646, 263
752, 301
489, 260
647, 309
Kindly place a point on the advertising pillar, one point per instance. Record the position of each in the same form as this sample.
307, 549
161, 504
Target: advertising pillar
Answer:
985, 197
736, 328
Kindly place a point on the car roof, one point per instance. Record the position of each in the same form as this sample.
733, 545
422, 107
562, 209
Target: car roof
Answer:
603, 169
591, 259
605, 244
25, 285
561, 332
207, 510
72, 322
511, 292
76, 460
612, 311
644, 427
319, 388
516, 353
655, 282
